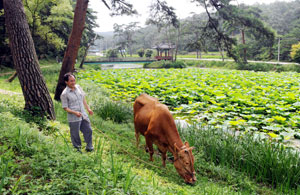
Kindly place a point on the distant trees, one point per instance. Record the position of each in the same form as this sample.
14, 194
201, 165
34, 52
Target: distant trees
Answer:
117, 6
125, 36
196, 38
284, 17
228, 18
163, 16
36, 94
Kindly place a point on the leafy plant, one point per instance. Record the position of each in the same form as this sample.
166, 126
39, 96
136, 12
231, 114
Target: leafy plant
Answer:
213, 97
148, 53
112, 53
141, 52
295, 52
115, 111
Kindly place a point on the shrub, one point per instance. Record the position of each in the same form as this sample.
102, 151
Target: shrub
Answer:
295, 52
115, 111
146, 64
112, 53
149, 53
141, 52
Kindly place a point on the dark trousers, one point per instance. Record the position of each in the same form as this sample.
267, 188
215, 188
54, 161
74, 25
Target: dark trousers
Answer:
85, 127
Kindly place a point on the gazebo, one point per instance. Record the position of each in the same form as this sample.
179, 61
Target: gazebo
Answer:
166, 49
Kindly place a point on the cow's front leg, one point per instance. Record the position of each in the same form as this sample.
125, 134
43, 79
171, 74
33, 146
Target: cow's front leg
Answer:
163, 158
149, 144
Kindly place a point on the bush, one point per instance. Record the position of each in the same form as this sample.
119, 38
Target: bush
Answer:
146, 64
141, 52
295, 53
115, 111
149, 53
112, 53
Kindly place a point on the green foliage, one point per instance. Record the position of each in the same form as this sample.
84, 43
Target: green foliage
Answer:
149, 53
141, 52
46, 164
50, 24
241, 100
115, 111
261, 159
265, 67
112, 53
295, 53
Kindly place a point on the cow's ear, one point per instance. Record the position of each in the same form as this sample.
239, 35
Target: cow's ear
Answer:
191, 148
187, 144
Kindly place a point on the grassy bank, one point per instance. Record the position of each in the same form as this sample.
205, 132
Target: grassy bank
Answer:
37, 156
262, 67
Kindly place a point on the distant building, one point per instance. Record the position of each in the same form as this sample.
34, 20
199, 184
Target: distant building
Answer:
95, 52
164, 51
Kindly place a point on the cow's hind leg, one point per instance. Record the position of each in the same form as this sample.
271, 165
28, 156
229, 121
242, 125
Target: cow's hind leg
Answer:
137, 137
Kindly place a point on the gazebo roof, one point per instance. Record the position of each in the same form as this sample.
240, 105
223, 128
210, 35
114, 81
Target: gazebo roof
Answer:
164, 46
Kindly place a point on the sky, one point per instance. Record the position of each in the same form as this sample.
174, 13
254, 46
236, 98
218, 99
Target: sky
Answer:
183, 9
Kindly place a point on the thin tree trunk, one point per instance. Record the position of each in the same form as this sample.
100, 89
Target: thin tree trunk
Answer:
178, 35
221, 52
36, 94
244, 43
200, 53
73, 45
86, 51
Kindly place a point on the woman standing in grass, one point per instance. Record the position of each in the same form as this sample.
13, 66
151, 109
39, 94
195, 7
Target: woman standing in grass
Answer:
73, 101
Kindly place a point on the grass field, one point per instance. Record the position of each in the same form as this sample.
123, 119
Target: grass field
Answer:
36, 156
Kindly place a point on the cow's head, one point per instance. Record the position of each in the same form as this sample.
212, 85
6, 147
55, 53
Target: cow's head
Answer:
184, 163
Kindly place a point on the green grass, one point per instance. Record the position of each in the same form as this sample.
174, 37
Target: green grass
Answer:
45, 163
264, 160
36, 157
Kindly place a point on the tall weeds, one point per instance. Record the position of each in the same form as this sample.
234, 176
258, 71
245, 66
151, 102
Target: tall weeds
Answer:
261, 159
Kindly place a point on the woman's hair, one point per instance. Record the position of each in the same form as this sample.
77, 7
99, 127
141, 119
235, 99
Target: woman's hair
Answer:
67, 75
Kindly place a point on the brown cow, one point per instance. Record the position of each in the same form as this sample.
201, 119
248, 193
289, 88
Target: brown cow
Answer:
154, 120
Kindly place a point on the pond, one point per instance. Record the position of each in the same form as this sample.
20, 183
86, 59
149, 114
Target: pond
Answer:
240, 100
119, 65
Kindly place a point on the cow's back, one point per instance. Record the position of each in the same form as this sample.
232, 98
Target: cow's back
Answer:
143, 108
148, 110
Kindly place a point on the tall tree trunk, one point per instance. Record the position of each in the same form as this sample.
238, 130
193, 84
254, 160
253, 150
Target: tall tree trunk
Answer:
36, 94
73, 45
244, 43
177, 42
